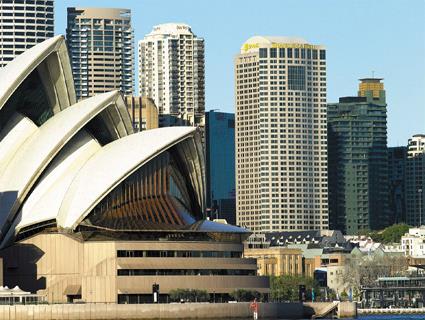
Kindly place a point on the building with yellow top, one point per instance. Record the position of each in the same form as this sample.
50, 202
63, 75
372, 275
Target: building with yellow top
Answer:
374, 85
281, 149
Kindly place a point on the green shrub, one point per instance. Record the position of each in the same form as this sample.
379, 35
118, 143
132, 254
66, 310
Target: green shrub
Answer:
286, 288
243, 295
189, 295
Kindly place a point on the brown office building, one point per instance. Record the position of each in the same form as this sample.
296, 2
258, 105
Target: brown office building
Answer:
143, 113
101, 47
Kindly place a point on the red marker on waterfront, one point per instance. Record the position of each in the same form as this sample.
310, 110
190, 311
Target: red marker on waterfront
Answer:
254, 308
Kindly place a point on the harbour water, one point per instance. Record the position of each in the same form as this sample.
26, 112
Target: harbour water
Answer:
391, 317
384, 317
374, 317
381, 317
394, 317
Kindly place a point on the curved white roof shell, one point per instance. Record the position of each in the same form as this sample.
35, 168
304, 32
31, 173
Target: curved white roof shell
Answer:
54, 53
37, 151
111, 165
17, 130
50, 61
59, 158
44, 202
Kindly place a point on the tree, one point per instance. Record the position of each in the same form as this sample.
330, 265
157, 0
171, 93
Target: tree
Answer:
243, 295
344, 296
286, 288
391, 234
374, 235
365, 270
192, 295
394, 233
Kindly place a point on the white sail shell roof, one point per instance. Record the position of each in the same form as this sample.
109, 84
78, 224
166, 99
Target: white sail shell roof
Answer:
37, 151
44, 202
18, 69
54, 170
17, 130
111, 165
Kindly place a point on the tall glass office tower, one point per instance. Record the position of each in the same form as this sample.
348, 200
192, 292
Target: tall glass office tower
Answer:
397, 159
220, 165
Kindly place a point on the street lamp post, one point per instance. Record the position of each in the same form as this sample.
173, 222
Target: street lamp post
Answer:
420, 206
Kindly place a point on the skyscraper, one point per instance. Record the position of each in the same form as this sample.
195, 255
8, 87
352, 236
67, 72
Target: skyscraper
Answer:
220, 164
358, 163
397, 159
415, 180
23, 24
171, 72
281, 156
101, 48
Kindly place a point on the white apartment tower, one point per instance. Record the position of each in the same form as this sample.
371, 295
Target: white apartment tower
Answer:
281, 153
23, 24
101, 49
172, 73
415, 180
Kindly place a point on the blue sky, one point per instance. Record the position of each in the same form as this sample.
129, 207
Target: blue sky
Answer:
361, 36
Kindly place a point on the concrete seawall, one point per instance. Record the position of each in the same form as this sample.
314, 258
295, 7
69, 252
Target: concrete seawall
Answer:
342, 309
347, 310
155, 311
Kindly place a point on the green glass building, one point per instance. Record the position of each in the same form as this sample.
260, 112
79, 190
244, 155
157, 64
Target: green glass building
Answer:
357, 160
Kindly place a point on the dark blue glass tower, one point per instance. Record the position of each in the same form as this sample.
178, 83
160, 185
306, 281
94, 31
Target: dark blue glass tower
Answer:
220, 165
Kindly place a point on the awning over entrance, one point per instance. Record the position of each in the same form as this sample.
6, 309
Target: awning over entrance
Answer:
72, 290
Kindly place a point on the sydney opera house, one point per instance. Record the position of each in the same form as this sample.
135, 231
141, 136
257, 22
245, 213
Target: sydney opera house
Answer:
90, 210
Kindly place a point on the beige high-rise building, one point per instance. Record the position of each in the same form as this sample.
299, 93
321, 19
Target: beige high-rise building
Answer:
143, 113
172, 73
23, 24
101, 49
281, 153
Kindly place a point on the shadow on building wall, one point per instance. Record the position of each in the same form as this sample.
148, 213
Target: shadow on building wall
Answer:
20, 267
20, 260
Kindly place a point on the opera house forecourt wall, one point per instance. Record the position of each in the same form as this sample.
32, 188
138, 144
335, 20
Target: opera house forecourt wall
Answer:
90, 210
